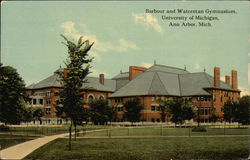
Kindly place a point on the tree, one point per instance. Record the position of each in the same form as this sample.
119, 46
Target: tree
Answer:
132, 110
164, 108
238, 110
12, 95
229, 110
37, 113
243, 110
180, 110
101, 112
72, 80
213, 117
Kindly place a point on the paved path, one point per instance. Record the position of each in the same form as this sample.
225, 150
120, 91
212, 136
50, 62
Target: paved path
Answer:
21, 150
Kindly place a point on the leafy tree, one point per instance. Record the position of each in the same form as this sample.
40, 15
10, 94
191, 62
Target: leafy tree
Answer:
180, 110
229, 110
12, 95
243, 110
213, 117
72, 79
132, 110
238, 110
164, 108
101, 112
37, 113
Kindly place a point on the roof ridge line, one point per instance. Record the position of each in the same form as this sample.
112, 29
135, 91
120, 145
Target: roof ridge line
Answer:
151, 83
179, 84
162, 83
207, 78
168, 66
165, 72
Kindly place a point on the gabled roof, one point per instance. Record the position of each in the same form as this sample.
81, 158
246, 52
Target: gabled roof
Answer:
93, 83
165, 80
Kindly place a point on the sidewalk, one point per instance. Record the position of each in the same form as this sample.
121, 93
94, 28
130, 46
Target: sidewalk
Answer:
21, 150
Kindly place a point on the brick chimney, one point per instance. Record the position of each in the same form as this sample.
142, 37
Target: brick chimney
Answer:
134, 71
227, 79
65, 72
234, 79
216, 77
101, 79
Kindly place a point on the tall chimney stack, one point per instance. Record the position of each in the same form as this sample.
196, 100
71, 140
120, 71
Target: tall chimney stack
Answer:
227, 79
216, 77
134, 71
234, 79
101, 78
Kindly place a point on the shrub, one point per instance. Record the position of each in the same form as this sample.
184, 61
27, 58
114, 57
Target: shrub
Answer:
199, 129
4, 128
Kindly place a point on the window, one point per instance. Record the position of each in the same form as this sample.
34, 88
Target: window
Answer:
117, 100
152, 108
101, 97
48, 101
153, 99
153, 120
90, 98
158, 108
34, 101
48, 93
220, 98
47, 111
41, 101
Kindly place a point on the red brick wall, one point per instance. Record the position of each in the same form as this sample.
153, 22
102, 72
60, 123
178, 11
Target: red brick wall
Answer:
134, 71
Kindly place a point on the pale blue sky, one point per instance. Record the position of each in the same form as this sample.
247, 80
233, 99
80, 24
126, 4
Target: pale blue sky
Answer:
124, 36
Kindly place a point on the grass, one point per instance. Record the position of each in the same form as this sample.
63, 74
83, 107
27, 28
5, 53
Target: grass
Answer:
46, 130
7, 140
161, 131
161, 148
18, 135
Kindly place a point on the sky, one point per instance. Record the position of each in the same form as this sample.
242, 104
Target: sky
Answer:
124, 35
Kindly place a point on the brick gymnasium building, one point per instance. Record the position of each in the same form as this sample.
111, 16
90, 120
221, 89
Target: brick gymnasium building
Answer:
206, 92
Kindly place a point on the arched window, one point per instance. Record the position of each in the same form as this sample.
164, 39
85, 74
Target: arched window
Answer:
90, 98
101, 97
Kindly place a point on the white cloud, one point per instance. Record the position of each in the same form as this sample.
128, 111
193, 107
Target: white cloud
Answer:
244, 91
96, 56
197, 66
120, 46
149, 21
147, 65
125, 45
222, 78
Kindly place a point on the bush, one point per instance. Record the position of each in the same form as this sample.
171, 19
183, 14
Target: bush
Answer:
4, 128
199, 129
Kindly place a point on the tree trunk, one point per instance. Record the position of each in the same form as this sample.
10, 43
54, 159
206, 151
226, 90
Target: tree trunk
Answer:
75, 132
70, 129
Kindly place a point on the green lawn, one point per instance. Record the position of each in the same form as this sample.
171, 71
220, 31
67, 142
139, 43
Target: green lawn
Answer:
18, 135
161, 148
7, 140
161, 131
